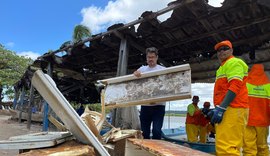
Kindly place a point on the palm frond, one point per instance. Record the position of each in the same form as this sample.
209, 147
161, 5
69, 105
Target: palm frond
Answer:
80, 32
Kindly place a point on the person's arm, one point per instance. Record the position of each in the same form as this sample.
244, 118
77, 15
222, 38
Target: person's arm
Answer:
190, 110
217, 114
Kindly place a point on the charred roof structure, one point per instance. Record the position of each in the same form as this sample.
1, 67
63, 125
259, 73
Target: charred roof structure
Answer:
187, 36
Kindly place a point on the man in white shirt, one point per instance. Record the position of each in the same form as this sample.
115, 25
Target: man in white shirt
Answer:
151, 113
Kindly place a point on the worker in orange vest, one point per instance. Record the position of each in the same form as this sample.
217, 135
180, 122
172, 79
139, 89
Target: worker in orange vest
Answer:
192, 120
204, 122
230, 100
255, 139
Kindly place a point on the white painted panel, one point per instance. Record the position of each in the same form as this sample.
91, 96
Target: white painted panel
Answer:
157, 86
47, 89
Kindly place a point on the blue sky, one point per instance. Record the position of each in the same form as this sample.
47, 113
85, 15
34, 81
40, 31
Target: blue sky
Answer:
38, 26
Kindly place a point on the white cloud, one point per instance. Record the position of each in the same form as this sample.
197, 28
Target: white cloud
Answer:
124, 11
215, 3
119, 11
10, 44
29, 54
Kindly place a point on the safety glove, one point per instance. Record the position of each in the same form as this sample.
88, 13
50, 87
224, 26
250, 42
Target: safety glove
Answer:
217, 113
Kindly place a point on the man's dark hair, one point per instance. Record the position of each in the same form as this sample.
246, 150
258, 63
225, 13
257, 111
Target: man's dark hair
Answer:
151, 50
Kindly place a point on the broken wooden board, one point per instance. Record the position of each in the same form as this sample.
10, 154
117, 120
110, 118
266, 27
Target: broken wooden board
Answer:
35, 140
68, 148
48, 90
147, 147
57, 124
168, 84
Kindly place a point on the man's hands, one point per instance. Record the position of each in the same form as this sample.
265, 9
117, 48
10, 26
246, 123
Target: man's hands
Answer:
137, 73
205, 111
216, 114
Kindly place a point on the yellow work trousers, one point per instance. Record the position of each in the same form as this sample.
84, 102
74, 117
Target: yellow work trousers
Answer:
255, 141
192, 132
203, 133
230, 132
211, 129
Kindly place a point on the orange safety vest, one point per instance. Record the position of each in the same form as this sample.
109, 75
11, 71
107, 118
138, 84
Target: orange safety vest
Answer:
232, 69
258, 85
195, 118
203, 121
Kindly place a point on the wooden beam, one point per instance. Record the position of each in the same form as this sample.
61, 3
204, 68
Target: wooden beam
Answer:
30, 104
215, 32
57, 124
123, 57
204, 22
21, 103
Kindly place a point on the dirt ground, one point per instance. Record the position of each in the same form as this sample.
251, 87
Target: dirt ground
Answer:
10, 128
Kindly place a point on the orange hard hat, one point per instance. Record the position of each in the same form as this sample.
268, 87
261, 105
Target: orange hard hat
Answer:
223, 43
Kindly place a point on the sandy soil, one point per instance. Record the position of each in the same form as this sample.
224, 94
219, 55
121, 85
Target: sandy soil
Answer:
10, 128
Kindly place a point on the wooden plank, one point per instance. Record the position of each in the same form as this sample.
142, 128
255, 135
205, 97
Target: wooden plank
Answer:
68, 148
48, 90
169, 84
56, 123
147, 147
30, 104
103, 112
91, 125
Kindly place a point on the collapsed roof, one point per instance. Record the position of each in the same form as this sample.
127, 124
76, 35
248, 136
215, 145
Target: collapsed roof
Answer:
187, 36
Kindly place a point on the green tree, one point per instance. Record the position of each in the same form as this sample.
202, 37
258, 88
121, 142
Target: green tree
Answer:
12, 67
80, 32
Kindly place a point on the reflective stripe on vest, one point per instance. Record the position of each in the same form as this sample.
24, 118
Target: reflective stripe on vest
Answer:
262, 91
232, 69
